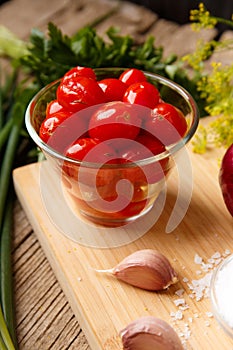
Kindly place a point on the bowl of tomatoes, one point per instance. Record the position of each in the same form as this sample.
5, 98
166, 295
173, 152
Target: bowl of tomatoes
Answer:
112, 136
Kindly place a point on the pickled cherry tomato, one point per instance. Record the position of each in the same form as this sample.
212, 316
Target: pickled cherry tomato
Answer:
143, 93
50, 124
79, 92
79, 71
167, 123
132, 76
85, 148
144, 146
113, 88
61, 129
54, 107
115, 120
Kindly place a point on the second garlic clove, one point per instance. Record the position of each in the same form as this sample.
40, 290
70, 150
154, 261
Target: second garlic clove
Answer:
147, 269
148, 333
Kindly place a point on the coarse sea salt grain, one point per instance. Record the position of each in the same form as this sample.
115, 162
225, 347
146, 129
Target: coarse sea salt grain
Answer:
197, 259
223, 287
180, 301
179, 292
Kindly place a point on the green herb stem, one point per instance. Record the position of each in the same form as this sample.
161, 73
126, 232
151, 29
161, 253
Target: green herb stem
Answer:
2, 344
9, 156
5, 131
228, 22
6, 338
1, 102
7, 299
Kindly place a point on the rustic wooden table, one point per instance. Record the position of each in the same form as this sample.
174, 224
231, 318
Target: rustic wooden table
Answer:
44, 317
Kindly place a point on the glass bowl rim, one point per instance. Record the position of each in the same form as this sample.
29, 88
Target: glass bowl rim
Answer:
170, 150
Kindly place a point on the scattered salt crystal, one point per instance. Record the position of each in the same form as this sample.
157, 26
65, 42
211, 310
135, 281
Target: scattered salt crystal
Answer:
198, 272
178, 302
190, 286
216, 255
178, 315
207, 324
196, 315
211, 261
227, 252
190, 319
79, 279
217, 262
200, 287
185, 279
197, 259
206, 267
209, 314
187, 331
184, 307
179, 292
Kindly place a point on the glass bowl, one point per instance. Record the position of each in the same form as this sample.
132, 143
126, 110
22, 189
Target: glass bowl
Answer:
113, 194
221, 291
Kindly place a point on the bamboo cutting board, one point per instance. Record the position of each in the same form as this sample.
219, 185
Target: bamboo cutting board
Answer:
103, 305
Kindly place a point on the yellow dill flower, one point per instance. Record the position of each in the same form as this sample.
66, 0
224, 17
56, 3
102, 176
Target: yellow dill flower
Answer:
203, 51
202, 18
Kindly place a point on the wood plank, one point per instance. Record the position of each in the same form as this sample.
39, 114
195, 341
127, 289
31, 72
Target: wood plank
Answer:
206, 228
36, 292
176, 39
129, 20
223, 55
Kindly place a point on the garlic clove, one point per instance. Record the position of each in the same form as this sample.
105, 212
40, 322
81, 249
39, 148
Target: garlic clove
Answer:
148, 333
146, 269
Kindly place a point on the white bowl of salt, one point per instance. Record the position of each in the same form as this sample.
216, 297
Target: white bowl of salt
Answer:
221, 294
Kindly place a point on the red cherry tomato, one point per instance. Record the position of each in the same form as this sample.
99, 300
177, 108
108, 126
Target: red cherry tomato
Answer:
49, 125
157, 170
132, 76
113, 88
143, 93
79, 71
144, 146
92, 150
54, 107
79, 92
115, 120
61, 129
151, 146
166, 123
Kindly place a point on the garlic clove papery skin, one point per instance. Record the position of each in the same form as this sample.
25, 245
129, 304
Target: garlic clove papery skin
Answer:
149, 333
146, 269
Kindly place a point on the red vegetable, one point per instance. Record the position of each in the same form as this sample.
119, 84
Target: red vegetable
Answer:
113, 88
143, 93
226, 178
78, 92
131, 76
167, 123
115, 120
